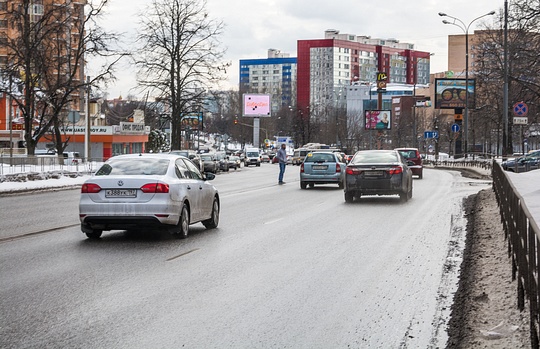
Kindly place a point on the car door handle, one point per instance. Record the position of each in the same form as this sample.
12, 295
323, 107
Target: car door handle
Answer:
188, 187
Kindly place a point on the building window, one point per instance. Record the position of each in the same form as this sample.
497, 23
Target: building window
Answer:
3, 23
3, 6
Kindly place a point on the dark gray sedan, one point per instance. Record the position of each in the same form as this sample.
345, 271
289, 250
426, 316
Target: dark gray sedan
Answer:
378, 172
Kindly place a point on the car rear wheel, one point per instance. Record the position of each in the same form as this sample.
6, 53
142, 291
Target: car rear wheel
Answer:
95, 234
303, 185
340, 185
214, 219
349, 196
183, 223
421, 175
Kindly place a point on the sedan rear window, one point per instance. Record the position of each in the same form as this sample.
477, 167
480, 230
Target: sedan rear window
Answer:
375, 158
320, 157
130, 167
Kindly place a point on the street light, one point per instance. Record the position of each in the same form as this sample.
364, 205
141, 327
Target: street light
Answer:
460, 24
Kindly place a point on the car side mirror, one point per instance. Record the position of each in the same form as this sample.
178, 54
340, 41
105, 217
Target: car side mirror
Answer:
191, 157
208, 176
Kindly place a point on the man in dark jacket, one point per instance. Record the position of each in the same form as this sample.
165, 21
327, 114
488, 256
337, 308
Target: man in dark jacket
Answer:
282, 158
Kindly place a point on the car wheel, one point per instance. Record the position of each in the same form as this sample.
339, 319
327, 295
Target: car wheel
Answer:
404, 196
214, 219
312, 185
341, 185
183, 223
421, 175
349, 196
94, 235
258, 165
303, 185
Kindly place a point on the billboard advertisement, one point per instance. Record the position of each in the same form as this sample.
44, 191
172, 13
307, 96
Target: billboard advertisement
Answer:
193, 120
451, 93
378, 120
256, 105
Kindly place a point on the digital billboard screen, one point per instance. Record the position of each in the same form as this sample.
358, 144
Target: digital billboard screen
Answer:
256, 105
452, 94
378, 120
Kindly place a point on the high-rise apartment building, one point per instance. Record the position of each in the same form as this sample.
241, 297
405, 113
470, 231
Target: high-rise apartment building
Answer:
275, 75
57, 25
326, 67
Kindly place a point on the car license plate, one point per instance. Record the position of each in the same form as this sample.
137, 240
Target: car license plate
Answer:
320, 167
121, 193
373, 173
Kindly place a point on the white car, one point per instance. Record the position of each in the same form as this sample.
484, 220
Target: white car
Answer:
148, 191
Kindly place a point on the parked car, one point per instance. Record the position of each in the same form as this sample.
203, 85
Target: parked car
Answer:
234, 162
148, 191
322, 167
210, 163
528, 162
378, 172
412, 154
72, 157
222, 161
265, 158
192, 155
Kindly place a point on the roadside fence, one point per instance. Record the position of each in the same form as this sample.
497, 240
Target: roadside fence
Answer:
523, 236
23, 165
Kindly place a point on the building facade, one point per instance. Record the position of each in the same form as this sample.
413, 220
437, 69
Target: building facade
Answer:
326, 67
275, 75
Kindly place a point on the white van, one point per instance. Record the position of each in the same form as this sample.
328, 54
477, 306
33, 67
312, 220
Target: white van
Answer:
72, 158
253, 157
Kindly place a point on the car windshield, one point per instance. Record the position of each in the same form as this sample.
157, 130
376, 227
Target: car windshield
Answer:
408, 154
206, 157
375, 158
252, 154
130, 167
320, 157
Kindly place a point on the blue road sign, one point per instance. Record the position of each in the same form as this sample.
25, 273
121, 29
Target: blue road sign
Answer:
431, 134
455, 128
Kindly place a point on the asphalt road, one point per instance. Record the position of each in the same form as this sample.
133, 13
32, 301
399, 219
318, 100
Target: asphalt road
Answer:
287, 268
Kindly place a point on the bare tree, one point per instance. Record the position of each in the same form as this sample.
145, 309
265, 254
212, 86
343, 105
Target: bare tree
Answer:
45, 63
523, 67
179, 56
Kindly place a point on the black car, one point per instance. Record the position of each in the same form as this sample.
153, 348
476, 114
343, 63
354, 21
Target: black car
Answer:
378, 172
210, 163
222, 161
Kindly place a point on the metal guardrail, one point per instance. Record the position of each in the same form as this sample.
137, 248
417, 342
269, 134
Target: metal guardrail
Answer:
523, 236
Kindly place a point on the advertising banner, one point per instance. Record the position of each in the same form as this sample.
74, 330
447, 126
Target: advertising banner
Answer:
378, 120
452, 94
256, 105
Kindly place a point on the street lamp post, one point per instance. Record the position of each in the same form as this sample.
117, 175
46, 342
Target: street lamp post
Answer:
460, 24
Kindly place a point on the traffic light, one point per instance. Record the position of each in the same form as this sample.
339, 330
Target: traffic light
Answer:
236, 121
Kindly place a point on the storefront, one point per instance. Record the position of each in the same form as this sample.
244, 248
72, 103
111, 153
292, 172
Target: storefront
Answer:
105, 141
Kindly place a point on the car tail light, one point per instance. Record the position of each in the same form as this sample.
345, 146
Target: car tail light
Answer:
302, 167
395, 170
338, 168
155, 188
353, 171
90, 188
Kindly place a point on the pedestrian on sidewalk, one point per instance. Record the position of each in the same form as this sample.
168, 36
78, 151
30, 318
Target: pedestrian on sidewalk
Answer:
282, 160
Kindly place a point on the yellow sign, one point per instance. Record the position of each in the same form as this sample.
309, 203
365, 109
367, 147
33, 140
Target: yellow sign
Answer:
458, 117
382, 76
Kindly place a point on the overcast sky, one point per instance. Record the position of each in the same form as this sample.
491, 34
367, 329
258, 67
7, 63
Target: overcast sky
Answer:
254, 26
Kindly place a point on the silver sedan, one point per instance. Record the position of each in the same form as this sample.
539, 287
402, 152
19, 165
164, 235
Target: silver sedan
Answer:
148, 191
